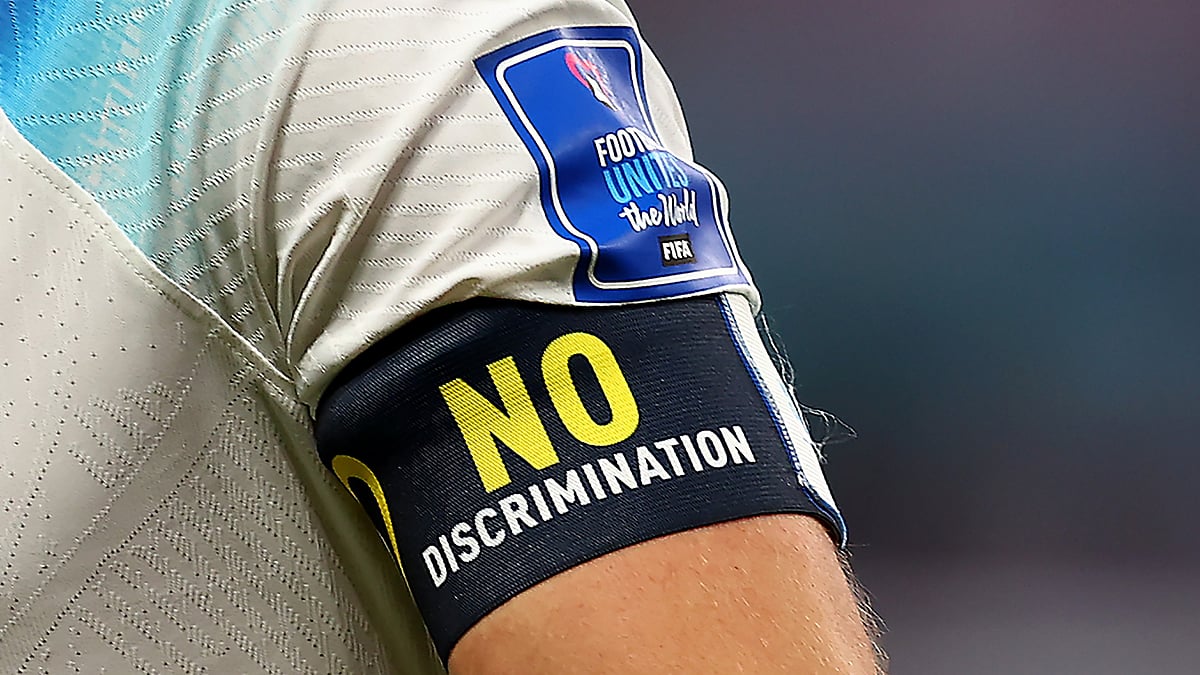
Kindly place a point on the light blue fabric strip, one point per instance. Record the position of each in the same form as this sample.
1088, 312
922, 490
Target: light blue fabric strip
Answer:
109, 91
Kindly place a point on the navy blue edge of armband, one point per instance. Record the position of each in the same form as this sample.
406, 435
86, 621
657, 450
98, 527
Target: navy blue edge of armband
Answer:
777, 410
509, 441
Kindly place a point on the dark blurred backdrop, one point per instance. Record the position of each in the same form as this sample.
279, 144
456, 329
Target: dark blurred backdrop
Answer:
976, 226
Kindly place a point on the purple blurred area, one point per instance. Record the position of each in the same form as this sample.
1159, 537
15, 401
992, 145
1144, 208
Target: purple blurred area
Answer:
977, 227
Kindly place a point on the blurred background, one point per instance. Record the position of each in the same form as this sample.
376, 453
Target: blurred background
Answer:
976, 226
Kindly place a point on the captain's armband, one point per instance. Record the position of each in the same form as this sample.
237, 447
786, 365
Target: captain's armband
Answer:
498, 443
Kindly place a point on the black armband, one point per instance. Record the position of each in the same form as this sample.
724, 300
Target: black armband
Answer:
499, 443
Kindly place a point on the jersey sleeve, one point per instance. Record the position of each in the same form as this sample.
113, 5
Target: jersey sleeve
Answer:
513, 300
471, 234
319, 172
428, 153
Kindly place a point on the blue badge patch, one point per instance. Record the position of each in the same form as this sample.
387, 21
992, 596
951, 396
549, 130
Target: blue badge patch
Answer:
648, 223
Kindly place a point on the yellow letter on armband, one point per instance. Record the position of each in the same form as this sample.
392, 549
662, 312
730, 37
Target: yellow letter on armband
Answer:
346, 467
481, 423
565, 395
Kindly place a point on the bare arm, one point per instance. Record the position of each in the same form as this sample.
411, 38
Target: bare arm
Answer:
759, 595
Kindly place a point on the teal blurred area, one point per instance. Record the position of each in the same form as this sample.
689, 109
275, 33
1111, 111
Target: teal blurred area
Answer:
977, 226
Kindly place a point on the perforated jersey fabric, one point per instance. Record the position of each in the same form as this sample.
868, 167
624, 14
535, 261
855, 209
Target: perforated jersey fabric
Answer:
206, 210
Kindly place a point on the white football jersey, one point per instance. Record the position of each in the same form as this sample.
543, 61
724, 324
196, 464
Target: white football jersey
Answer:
207, 209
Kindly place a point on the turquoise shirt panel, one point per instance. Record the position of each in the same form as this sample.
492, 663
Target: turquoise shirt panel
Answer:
141, 102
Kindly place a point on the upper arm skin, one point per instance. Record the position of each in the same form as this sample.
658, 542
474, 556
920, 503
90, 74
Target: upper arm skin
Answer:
759, 595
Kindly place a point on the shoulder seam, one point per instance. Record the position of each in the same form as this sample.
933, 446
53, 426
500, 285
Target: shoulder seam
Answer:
177, 296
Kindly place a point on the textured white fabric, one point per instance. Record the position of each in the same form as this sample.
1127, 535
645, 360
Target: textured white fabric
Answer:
400, 185
329, 170
150, 520
343, 169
